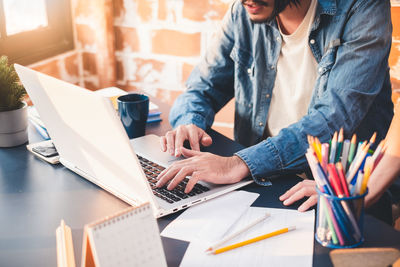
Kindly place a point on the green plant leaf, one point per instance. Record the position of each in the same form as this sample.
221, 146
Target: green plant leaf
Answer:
11, 91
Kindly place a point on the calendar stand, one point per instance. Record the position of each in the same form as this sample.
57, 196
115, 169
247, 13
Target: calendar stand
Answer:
128, 238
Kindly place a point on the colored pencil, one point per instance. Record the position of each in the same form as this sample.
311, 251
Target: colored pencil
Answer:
367, 172
345, 153
357, 163
360, 147
230, 237
379, 150
332, 153
317, 142
325, 155
372, 140
352, 150
360, 178
340, 193
335, 224
342, 178
329, 220
315, 146
342, 220
339, 146
334, 179
253, 240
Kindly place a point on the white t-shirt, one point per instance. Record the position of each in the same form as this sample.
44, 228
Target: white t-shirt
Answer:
295, 77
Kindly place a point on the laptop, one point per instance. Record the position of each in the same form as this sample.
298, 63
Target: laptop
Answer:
92, 142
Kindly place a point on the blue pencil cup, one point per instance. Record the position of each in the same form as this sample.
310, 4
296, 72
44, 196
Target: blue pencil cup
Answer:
340, 220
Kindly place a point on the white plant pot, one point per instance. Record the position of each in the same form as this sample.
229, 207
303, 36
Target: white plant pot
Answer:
14, 127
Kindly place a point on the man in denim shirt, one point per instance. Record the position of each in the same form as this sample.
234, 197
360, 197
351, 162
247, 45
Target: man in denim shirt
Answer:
349, 41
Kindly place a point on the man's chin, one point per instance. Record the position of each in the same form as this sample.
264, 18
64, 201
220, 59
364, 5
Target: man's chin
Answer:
261, 20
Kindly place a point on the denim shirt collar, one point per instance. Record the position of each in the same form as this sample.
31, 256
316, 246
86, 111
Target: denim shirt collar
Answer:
327, 7
324, 7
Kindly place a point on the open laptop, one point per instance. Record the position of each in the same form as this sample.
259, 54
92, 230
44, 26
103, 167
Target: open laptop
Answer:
92, 142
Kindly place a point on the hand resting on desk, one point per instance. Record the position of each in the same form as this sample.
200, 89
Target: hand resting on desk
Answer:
383, 176
303, 189
203, 166
306, 188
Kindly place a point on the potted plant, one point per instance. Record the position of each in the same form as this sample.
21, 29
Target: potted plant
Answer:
13, 110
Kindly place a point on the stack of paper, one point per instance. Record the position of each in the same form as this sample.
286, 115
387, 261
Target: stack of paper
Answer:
210, 220
206, 224
294, 248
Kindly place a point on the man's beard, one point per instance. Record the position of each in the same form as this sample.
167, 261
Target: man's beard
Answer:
279, 6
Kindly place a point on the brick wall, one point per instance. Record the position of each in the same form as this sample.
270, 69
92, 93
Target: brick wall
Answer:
159, 41
66, 67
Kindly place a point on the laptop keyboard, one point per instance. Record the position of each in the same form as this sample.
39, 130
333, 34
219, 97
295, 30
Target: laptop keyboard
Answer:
152, 170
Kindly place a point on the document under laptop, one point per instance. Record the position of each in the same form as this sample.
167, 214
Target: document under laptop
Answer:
92, 142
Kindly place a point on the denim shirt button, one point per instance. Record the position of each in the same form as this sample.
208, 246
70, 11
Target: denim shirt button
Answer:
263, 180
278, 39
261, 124
272, 67
312, 41
267, 95
249, 71
320, 70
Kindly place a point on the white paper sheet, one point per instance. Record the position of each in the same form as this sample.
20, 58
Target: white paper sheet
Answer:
294, 248
210, 220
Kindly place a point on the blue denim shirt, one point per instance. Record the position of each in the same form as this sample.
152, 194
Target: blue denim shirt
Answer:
350, 40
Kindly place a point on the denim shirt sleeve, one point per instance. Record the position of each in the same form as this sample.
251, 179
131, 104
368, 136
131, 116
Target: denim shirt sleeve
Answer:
210, 85
356, 77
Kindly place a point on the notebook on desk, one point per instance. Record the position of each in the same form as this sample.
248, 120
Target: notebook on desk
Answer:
92, 142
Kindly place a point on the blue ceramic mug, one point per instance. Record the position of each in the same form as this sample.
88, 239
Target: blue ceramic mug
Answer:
133, 110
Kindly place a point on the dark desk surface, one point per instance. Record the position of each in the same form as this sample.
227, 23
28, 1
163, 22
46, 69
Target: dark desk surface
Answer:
35, 196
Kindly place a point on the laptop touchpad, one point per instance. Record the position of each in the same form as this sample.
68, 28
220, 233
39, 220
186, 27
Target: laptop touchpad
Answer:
148, 146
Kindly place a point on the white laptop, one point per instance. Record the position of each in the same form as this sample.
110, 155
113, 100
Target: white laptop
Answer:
92, 142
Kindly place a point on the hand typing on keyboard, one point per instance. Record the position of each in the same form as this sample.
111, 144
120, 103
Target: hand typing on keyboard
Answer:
152, 170
203, 166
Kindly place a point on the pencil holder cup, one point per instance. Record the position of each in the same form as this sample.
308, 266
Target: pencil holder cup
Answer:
340, 220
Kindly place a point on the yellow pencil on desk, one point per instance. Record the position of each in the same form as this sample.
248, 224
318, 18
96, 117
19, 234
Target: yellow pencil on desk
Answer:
253, 240
247, 227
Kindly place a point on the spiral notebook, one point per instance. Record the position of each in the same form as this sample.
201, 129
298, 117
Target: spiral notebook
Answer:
129, 238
